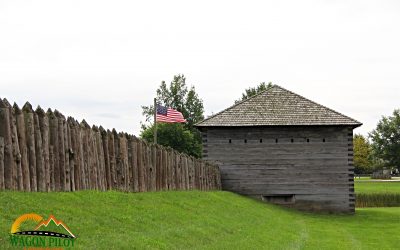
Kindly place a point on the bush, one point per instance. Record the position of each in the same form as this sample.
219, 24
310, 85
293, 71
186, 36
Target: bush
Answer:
378, 200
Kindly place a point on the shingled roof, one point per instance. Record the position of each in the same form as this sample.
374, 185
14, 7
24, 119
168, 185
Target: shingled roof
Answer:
277, 106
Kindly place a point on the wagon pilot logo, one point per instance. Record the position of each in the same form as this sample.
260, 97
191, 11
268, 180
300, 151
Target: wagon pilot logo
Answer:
49, 234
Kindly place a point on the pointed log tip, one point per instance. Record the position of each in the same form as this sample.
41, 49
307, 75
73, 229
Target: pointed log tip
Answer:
85, 124
71, 120
27, 107
95, 128
114, 131
58, 114
101, 129
2, 104
40, 111
7, 103
103, 133
16, 108
50, 114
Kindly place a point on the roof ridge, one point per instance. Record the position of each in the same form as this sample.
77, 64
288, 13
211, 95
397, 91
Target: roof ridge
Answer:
236, 104
319, 104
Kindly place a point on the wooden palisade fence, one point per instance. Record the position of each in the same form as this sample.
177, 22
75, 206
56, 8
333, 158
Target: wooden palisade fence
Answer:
44, 151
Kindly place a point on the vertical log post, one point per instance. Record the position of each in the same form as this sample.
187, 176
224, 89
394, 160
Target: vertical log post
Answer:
41, 179
5, 132
16, 151
85, 129
140, 166
30, 139
10, 170
61, 151
78, 156
153, 169
95, 157
44, 131
21, 132
113, 162
135, 160
71, 151
2, 184
53, 151
130, 163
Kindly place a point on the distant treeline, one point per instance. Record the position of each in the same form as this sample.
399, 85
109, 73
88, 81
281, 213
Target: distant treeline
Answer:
44, 151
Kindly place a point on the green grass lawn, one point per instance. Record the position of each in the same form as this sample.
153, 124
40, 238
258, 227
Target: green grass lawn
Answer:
369, 187
199, 220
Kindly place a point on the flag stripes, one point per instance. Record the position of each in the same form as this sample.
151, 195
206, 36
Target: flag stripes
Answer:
170, 115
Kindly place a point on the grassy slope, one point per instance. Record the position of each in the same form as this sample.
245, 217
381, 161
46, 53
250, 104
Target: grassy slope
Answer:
368, 187
199, 220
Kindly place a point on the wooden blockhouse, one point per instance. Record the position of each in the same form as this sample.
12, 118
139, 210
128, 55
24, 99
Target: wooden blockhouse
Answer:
282, 148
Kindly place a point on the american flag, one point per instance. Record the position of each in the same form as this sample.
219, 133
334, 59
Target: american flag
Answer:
170, 115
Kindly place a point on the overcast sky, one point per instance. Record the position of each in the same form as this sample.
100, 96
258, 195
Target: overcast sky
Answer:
102, 60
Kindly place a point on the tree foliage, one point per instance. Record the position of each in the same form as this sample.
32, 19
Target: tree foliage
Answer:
182, 137
254, 91
362, 154
176, 136
178, 96
386, 139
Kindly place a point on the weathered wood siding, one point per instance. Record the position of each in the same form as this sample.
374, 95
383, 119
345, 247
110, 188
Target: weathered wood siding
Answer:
307, 167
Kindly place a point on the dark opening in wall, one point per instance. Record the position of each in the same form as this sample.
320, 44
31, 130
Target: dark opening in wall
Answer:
260, 140
323, 140
308, 140
230, 141
282, 199
245, 140
276, 140
291, 140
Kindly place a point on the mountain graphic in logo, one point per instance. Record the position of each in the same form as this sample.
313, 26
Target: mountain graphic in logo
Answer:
50, 227
55, 226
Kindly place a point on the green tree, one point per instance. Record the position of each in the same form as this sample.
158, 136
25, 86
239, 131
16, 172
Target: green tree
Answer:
362, 154
176, 136
386, 140
254, 91
178, 96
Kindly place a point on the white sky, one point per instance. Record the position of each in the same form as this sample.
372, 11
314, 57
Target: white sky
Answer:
102, 60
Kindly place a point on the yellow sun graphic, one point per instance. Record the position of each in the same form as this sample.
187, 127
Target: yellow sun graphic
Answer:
17, 223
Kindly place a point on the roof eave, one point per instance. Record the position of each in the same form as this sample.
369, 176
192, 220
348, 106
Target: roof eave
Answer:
354, 125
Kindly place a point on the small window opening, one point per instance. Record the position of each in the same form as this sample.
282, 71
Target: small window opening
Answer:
276, 140
323, 140
260, 140
291, 140
245, 140
230, 141
308, 140
283, 199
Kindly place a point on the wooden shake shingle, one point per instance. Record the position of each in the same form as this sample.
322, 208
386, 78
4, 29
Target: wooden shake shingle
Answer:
277, 106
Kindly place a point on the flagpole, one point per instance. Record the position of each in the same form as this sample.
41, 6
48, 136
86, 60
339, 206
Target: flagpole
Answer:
155, 121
